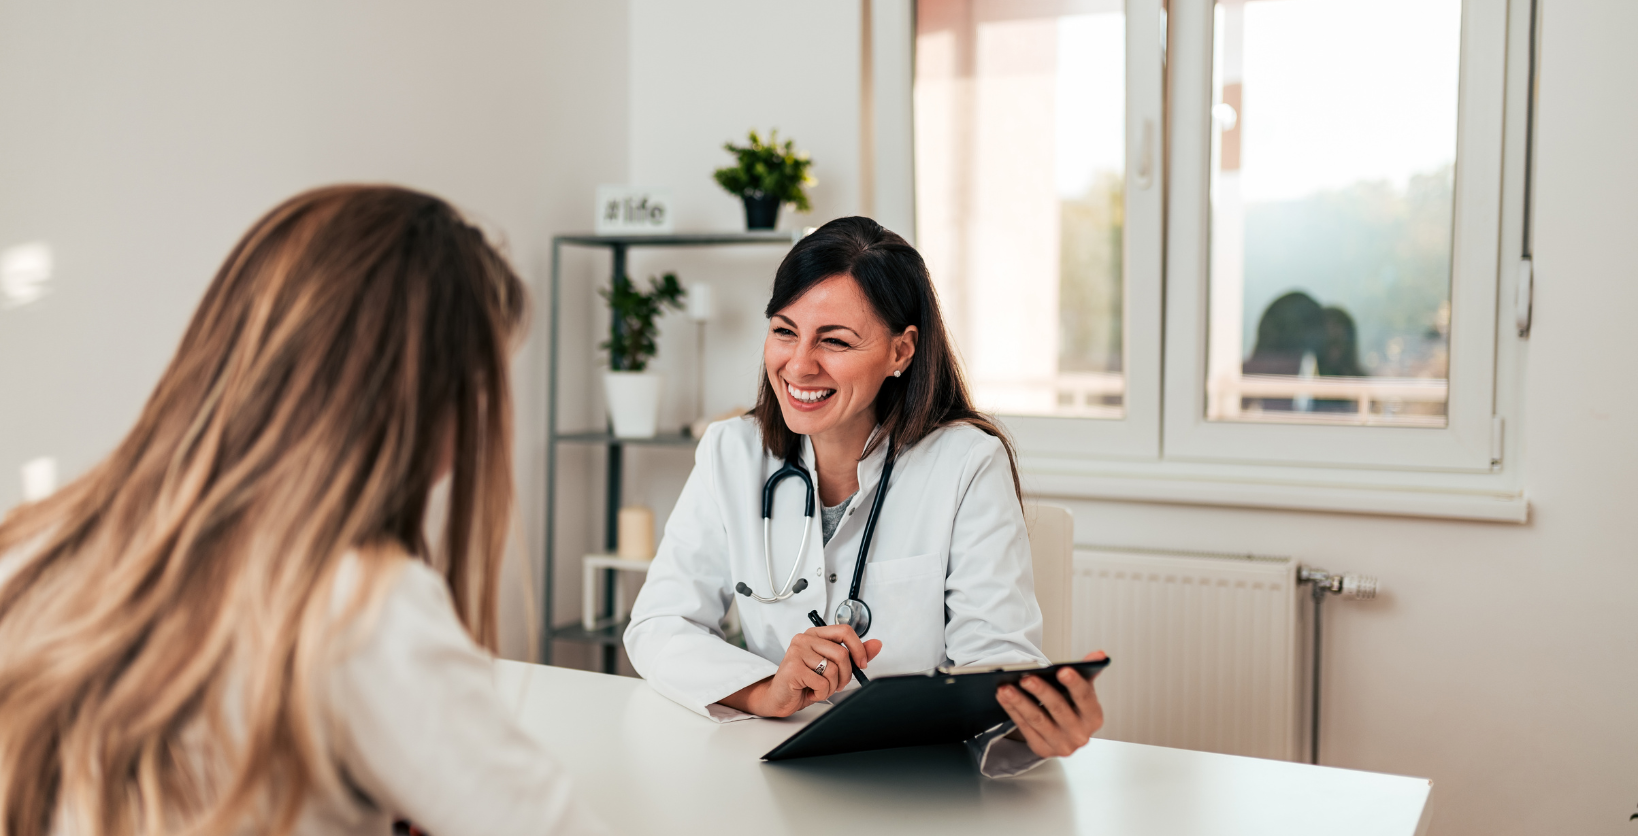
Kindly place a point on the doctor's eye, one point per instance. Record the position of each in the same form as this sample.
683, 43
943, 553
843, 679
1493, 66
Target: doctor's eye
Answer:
835, 343
782, 331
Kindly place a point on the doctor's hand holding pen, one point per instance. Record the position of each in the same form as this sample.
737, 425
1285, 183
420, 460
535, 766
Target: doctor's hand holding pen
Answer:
818, 663
1052, 725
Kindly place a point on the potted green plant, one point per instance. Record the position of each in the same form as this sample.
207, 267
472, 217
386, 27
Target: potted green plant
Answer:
632, 392
766, 175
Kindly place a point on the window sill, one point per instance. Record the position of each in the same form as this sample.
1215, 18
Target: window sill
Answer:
1485, 497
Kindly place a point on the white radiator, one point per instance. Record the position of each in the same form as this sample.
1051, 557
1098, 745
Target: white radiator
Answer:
1208, 650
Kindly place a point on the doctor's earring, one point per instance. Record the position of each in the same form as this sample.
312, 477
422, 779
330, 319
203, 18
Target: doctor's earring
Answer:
897, 372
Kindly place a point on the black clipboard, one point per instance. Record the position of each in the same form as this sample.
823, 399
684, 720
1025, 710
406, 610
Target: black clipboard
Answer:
944, 706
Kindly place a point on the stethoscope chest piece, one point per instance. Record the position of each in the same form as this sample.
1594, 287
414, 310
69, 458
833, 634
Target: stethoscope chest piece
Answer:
854, 613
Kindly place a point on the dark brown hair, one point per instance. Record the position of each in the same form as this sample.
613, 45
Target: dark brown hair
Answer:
349, 334
932, 393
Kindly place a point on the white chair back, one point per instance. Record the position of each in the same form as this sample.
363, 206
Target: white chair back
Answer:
1052, 547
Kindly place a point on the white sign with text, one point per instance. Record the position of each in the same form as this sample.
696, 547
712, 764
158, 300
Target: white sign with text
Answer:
626, 210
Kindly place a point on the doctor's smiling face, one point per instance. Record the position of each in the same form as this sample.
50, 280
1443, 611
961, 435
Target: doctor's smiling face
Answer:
827, 354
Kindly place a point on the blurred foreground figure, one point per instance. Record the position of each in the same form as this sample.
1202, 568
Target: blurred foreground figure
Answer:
234, 624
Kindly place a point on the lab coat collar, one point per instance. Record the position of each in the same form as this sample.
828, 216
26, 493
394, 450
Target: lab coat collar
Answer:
870, 467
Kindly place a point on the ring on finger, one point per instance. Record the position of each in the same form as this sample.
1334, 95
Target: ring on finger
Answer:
820, 668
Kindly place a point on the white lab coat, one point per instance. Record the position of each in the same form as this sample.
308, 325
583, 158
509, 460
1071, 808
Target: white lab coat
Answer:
419, 729
948, 577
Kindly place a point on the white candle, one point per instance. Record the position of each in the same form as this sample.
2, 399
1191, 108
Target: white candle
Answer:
699, 302
636, 534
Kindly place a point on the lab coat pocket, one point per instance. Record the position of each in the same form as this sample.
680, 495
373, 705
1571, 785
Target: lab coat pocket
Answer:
903, 567
906, 598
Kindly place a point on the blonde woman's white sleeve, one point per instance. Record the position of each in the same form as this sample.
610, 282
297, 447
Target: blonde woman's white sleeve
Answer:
423, 733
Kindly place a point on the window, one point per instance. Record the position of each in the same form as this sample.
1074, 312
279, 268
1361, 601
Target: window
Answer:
1033, 215
1219, 234
1331, 184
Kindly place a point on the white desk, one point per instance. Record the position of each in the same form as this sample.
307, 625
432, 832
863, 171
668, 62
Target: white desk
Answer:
647, 765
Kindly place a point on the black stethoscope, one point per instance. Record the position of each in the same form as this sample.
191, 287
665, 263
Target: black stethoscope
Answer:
853, 611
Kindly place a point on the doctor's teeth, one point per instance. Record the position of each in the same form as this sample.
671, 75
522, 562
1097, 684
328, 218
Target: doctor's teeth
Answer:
809, 395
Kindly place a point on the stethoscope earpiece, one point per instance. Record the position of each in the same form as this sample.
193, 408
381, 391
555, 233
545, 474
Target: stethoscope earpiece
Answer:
745, 590
789, 589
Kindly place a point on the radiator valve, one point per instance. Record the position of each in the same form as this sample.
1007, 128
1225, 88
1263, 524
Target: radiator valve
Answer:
1357, 587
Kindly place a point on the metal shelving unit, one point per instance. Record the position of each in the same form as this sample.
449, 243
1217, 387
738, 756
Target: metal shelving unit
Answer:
608, 634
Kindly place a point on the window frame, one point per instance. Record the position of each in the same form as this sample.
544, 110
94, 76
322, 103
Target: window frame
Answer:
1136, 435
1465, 443
1126, 460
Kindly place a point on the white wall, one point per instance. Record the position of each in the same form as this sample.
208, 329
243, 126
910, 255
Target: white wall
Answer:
703, 73
1502, 662
141, 140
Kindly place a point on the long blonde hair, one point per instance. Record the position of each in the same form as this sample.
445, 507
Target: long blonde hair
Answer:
354, 337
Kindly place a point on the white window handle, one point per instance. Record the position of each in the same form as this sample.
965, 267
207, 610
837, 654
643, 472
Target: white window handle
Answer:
1146, 156
1523, 296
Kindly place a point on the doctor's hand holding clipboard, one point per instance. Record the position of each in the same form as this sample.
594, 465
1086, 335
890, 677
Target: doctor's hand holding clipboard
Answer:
865, 440
1052, 725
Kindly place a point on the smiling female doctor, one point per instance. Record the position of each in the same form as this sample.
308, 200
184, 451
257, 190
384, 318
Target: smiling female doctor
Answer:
859, 381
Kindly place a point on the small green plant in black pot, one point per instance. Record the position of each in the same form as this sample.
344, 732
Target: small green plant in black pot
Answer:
766, 176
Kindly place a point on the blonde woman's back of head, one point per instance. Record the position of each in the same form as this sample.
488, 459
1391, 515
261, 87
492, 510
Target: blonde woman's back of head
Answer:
353, 339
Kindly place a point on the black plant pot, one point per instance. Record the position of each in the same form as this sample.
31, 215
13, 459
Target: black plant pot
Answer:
761, 211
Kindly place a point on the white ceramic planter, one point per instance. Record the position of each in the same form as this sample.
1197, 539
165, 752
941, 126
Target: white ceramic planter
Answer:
634, 403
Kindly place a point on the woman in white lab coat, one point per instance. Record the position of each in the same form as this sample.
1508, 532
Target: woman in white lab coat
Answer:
858, 373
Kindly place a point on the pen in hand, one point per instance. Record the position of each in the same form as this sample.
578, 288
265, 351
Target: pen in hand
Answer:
813, 616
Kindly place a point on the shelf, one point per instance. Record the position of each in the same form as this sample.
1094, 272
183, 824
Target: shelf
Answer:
614, 561
610, 634
676, 439
607, 635
687, 239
